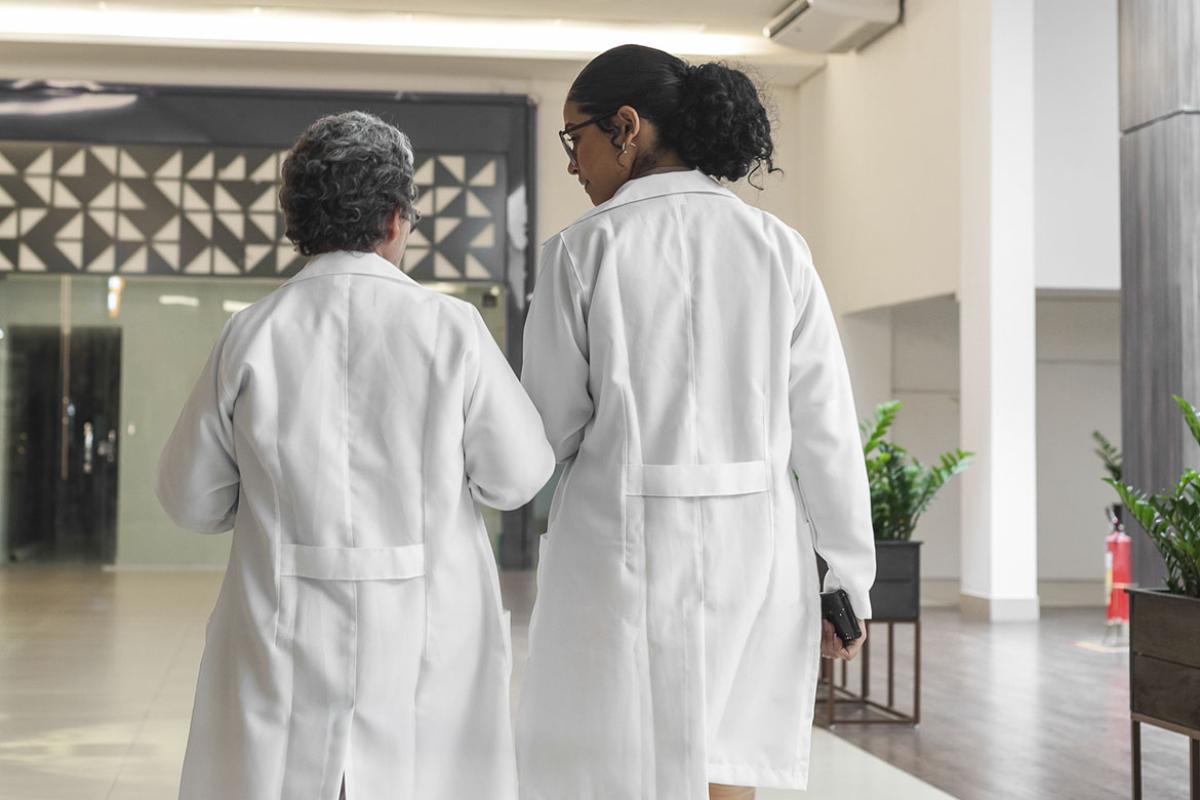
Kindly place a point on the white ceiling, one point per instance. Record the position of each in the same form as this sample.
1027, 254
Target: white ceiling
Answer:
732, 27
732, 16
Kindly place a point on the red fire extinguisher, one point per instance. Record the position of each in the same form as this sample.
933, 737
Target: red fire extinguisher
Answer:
1118, 573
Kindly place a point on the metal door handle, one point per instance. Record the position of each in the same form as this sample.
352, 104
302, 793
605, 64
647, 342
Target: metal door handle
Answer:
88, 447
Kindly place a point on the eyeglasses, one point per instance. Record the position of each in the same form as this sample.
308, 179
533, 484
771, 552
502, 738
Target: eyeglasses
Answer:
564, 137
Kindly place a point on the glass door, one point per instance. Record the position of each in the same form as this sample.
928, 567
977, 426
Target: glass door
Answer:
93, 373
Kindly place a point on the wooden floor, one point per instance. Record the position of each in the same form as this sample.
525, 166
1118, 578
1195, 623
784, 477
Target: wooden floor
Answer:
1020, 711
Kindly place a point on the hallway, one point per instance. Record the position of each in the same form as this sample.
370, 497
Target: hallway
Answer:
98, 668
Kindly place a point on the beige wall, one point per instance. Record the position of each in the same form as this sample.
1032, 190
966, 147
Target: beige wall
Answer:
879, 177
880, 133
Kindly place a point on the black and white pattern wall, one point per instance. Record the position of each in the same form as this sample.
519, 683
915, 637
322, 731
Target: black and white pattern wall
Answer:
192, 210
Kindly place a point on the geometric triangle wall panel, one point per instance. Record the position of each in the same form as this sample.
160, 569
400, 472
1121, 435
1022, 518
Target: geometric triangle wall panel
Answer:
463, 227
200, 210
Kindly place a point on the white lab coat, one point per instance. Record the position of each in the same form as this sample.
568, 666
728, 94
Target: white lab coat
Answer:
344, 428
685, 361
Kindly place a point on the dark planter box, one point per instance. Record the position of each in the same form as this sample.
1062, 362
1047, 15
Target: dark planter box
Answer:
1164, 656
896, 595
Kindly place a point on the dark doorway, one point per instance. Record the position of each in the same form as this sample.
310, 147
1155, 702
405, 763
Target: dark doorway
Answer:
64, 406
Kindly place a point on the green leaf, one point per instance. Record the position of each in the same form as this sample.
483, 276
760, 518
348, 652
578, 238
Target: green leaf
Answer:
1171, 518
902, 487
876, 429
1190, 416
1109, 454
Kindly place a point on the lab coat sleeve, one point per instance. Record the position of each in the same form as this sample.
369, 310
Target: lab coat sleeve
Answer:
198, 480
555, 371
827, 455
506, 454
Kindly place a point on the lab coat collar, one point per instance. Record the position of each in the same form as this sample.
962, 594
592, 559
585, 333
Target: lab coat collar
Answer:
344, 262
658, 185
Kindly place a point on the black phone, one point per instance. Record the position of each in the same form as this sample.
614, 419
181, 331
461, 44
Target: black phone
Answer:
835, 607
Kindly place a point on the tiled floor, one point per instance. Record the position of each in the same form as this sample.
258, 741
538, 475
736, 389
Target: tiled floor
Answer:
97, 671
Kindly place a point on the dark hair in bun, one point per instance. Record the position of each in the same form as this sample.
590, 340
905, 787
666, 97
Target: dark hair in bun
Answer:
710, 114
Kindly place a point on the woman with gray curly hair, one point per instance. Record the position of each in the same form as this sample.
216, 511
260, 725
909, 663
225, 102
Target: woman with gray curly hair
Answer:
345, 428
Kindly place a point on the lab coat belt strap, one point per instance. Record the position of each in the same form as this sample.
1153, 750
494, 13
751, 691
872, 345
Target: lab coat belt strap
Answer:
695, 480
352, 563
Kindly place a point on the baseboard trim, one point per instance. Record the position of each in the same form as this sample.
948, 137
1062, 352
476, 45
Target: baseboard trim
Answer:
999, 609
1072, 594
944, 593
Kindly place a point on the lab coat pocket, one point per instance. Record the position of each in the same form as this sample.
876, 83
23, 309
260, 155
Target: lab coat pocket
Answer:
726, 506
331, 569
352, 563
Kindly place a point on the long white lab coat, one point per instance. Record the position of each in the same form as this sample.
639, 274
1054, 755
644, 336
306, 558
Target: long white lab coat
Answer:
344, 428
685, 361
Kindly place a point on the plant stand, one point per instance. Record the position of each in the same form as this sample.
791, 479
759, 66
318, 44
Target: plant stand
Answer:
837, 691
1136, 752
1164, 674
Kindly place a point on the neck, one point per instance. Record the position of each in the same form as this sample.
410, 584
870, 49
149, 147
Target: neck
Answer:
655, 162
671, 168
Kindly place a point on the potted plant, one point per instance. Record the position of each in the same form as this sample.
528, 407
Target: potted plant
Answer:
1164, 623
901, 490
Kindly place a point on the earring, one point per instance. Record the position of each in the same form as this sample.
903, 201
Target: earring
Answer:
624, 148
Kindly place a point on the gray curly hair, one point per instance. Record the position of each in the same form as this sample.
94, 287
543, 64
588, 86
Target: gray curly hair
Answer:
343, 179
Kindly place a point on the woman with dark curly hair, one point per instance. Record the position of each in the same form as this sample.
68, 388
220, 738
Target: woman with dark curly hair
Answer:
688, 370
345, 428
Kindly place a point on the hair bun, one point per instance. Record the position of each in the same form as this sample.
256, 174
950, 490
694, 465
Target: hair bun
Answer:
722, 127
709, 114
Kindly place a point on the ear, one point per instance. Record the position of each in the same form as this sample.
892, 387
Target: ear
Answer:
629, 120
395, 226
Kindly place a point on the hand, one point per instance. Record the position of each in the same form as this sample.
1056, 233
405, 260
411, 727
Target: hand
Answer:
832, 647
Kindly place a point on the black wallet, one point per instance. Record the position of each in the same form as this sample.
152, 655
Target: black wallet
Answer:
835, 607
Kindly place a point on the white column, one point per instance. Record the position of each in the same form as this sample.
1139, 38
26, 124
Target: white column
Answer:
997, 321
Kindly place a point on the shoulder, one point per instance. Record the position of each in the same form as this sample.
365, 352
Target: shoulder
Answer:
783, 237
789, 250
559, 257
458, 313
